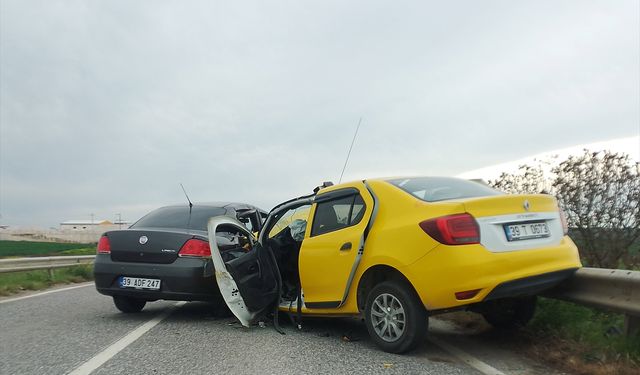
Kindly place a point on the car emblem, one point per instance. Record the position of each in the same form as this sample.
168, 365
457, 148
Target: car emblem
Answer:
143, 240
526, 205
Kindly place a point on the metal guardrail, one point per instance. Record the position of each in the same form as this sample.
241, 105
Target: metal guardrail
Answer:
43, 263
606, 289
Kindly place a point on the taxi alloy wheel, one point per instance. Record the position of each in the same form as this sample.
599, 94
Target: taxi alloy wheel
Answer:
395, 318
387, 317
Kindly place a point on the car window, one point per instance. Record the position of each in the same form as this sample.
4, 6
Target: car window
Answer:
228, 237
300, 213
337, 214
232, 242
435, 189
248, 223
358, 210
179, 217
251, 218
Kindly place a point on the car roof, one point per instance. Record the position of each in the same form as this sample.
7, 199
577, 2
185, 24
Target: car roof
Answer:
387, 178
342, 184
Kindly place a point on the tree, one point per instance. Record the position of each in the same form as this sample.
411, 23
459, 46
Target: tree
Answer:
528, 180
600, 193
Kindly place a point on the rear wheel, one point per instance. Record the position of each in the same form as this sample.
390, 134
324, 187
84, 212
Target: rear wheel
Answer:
395, 317
129, 304
509, 313
220, 309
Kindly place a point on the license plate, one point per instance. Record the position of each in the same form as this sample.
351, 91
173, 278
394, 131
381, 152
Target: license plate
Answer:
526, 231
139, 283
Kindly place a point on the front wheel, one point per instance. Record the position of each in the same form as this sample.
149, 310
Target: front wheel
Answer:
509, 313
129, 304
395, 317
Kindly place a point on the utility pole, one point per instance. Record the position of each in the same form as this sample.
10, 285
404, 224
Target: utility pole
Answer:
119, 221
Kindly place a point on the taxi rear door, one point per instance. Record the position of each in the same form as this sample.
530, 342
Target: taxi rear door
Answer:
334, 244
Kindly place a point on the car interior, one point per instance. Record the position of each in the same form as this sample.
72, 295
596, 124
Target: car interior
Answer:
285, 238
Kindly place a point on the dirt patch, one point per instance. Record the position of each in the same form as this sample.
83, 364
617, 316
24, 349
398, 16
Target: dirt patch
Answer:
564, 355
570, 356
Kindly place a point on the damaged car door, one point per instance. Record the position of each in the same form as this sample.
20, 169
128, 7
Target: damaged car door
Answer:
245, 271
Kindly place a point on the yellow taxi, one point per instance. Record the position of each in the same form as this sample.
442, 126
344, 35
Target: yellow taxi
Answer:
395, 251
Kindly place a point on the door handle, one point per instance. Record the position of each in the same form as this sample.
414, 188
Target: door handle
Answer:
345, 246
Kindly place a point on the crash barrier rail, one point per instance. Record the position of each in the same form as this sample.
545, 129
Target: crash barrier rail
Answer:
607, 289
43, 263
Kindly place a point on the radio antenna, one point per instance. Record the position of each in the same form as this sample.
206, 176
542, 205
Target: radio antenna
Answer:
350, 148
185, 194
190, 205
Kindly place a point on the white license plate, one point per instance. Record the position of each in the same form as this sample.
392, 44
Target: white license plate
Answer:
139, 283
526, 231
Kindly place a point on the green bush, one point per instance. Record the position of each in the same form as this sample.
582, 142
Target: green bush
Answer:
82, 251
85, 272
601, 333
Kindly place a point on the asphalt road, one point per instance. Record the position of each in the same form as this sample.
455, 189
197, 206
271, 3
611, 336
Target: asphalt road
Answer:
79, 329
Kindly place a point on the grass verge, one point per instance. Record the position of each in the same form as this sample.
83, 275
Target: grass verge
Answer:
11, 283
83, 251
569, 337
576, 337
29, 248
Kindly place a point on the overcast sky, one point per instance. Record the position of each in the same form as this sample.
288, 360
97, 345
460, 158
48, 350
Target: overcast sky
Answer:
106, 106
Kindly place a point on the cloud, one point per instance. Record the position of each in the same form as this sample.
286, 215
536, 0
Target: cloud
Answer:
107, 105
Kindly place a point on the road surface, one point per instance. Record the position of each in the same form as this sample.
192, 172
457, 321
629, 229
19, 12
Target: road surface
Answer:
75, 330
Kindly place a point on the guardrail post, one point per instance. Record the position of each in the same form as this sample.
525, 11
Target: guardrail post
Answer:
631, 325
50, 272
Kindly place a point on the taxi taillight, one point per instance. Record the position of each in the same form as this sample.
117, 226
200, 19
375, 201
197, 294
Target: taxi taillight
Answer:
195, 248
565, 225
459, 229
104, 246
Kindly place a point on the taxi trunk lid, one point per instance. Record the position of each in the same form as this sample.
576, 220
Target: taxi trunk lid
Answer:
516, 222
510, 204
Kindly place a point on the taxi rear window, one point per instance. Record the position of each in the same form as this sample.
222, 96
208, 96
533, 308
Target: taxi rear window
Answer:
436, 189
179, 217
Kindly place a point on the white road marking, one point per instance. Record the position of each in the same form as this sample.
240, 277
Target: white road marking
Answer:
99, 359
466, 358
44, 293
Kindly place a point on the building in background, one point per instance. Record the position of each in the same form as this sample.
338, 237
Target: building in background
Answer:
85, 225
81, 231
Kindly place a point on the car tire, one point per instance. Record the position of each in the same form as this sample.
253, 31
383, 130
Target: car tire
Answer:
129, 304
220, 309
509, 313
395, 317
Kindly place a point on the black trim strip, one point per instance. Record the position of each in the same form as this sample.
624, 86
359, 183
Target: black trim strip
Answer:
529, 286
335, 194
322, 305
